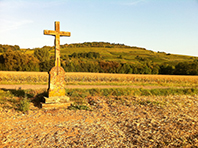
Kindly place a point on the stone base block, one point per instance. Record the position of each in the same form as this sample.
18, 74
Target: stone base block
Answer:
56, 92
57, 99
56, 105
56, 102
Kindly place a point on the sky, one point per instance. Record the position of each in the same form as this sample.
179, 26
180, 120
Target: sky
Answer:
169, 26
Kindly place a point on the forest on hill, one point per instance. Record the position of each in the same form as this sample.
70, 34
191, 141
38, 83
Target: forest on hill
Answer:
99, 57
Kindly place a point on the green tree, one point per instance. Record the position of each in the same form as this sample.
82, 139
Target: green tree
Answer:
187, 68
194, 68
4, 48
17, 61
42, 54
155, 70
182, 68
167, 69
46, 65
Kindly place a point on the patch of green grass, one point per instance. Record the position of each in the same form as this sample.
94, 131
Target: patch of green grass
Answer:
6, 96
16, 99
24, 83
24, 105
82, 93
178, 84
79, 96
4, 93
78, 107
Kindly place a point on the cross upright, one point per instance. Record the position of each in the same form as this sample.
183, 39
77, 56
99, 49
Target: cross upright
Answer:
57, 33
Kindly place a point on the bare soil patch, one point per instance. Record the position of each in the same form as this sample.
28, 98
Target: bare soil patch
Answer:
170, 121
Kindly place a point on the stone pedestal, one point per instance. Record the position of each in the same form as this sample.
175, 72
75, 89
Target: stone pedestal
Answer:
56, 102
56, 82
55, 106
56, 90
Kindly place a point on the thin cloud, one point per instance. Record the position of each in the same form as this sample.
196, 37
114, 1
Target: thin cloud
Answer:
44, 3
134, 3
17, 4
10, 4
7, 25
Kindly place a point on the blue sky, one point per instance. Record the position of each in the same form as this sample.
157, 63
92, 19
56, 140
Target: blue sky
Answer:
170, 26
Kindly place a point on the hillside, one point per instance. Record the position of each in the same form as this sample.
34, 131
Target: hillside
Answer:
119, 53
99, 57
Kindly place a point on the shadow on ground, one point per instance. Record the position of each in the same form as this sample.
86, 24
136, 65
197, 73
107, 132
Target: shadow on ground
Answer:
35, 98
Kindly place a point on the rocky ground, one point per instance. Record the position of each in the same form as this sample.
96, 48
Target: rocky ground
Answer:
170, 121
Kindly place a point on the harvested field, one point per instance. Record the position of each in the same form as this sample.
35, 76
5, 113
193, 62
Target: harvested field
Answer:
74, 86
117, 110
160, 121
100, 79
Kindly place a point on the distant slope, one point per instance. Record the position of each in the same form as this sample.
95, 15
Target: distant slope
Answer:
123, 53
119, 53
100, 57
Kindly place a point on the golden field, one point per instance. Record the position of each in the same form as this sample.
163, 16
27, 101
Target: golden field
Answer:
125, 117
79, 78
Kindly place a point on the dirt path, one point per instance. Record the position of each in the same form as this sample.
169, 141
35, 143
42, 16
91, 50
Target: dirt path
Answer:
76, 86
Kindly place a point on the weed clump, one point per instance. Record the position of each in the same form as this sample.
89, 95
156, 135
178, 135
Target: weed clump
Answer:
78, 107
24, 105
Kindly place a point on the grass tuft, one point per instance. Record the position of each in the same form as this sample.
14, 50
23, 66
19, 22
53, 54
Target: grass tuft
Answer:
82, 93
24, 105
78, 107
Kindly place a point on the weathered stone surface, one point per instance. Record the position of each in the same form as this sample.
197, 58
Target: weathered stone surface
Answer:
57, 33
56, 82
56, 105
56, 99
56, 89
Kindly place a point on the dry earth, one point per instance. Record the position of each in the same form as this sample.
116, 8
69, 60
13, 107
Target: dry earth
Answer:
170, 121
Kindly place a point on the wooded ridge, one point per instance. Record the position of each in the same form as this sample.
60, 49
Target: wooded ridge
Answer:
101, 57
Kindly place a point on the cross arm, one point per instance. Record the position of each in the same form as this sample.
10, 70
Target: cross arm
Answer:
63, 33
49, 32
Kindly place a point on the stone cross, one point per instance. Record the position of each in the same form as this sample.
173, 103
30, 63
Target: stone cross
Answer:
57, 33
56, 85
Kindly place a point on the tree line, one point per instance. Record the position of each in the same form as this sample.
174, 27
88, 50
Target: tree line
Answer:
90, 55
12, 59
182, 68
96, 44
4, 48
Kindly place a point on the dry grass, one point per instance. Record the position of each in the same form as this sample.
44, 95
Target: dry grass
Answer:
13, 77
9, 77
